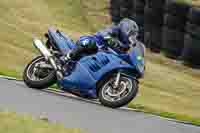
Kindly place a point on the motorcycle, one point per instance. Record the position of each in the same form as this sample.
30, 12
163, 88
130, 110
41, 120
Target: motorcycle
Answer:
109, 76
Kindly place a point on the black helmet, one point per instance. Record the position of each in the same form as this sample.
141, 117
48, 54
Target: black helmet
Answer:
128, 27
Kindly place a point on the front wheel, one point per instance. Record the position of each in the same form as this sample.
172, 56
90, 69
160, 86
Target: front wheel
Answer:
117, 97
39, 74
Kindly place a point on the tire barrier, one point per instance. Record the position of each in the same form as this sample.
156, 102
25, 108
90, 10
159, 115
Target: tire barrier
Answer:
191, 52
153, 16
153, 21
138, 16
173, 42
156, 39
139, 19
141, 34
147, 34
176, 8
156, 4
115, 10
174, 22
139, 6
163, 25
194, 16
147, 39
126, 8
176, 14
193, 30
147, 26
124, 12
175, 19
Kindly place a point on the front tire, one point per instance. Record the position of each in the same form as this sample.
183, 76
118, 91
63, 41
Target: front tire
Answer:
116, 102
48, 80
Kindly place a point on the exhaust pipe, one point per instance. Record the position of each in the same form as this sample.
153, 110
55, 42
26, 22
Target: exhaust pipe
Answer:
45, 52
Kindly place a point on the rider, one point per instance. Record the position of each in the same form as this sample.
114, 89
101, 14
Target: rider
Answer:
121, 32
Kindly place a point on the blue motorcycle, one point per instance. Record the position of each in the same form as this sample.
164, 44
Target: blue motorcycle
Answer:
110, 76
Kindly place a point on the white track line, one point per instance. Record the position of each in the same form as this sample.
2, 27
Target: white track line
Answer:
7, 77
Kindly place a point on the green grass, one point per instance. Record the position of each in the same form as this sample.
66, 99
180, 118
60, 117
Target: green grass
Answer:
12, 123
176, 116
167, 87
184, 1
20, 20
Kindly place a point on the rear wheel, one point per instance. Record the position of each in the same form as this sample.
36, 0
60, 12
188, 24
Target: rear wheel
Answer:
117, 97
39, 77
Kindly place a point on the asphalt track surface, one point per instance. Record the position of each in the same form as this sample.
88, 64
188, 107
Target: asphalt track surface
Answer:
72, 112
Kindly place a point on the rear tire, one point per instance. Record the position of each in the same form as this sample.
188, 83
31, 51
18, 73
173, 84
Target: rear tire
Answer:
124, 100
39, 84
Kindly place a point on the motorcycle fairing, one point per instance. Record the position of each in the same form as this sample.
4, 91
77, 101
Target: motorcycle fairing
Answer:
90, 69
136, 55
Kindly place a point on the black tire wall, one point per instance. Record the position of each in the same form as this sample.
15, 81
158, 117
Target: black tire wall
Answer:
174, 22
139, 6
115, 10
156, 4
153, 16
191, 52
138, 16
176, 8
133, 9
173, 42
175, 19
194, 16
126, 8
163, 25
193, 30
153, 21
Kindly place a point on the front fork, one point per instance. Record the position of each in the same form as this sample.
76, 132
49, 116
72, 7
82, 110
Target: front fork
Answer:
116, 84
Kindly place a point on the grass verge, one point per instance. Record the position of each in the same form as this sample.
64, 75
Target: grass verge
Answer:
180, 117
10, 122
